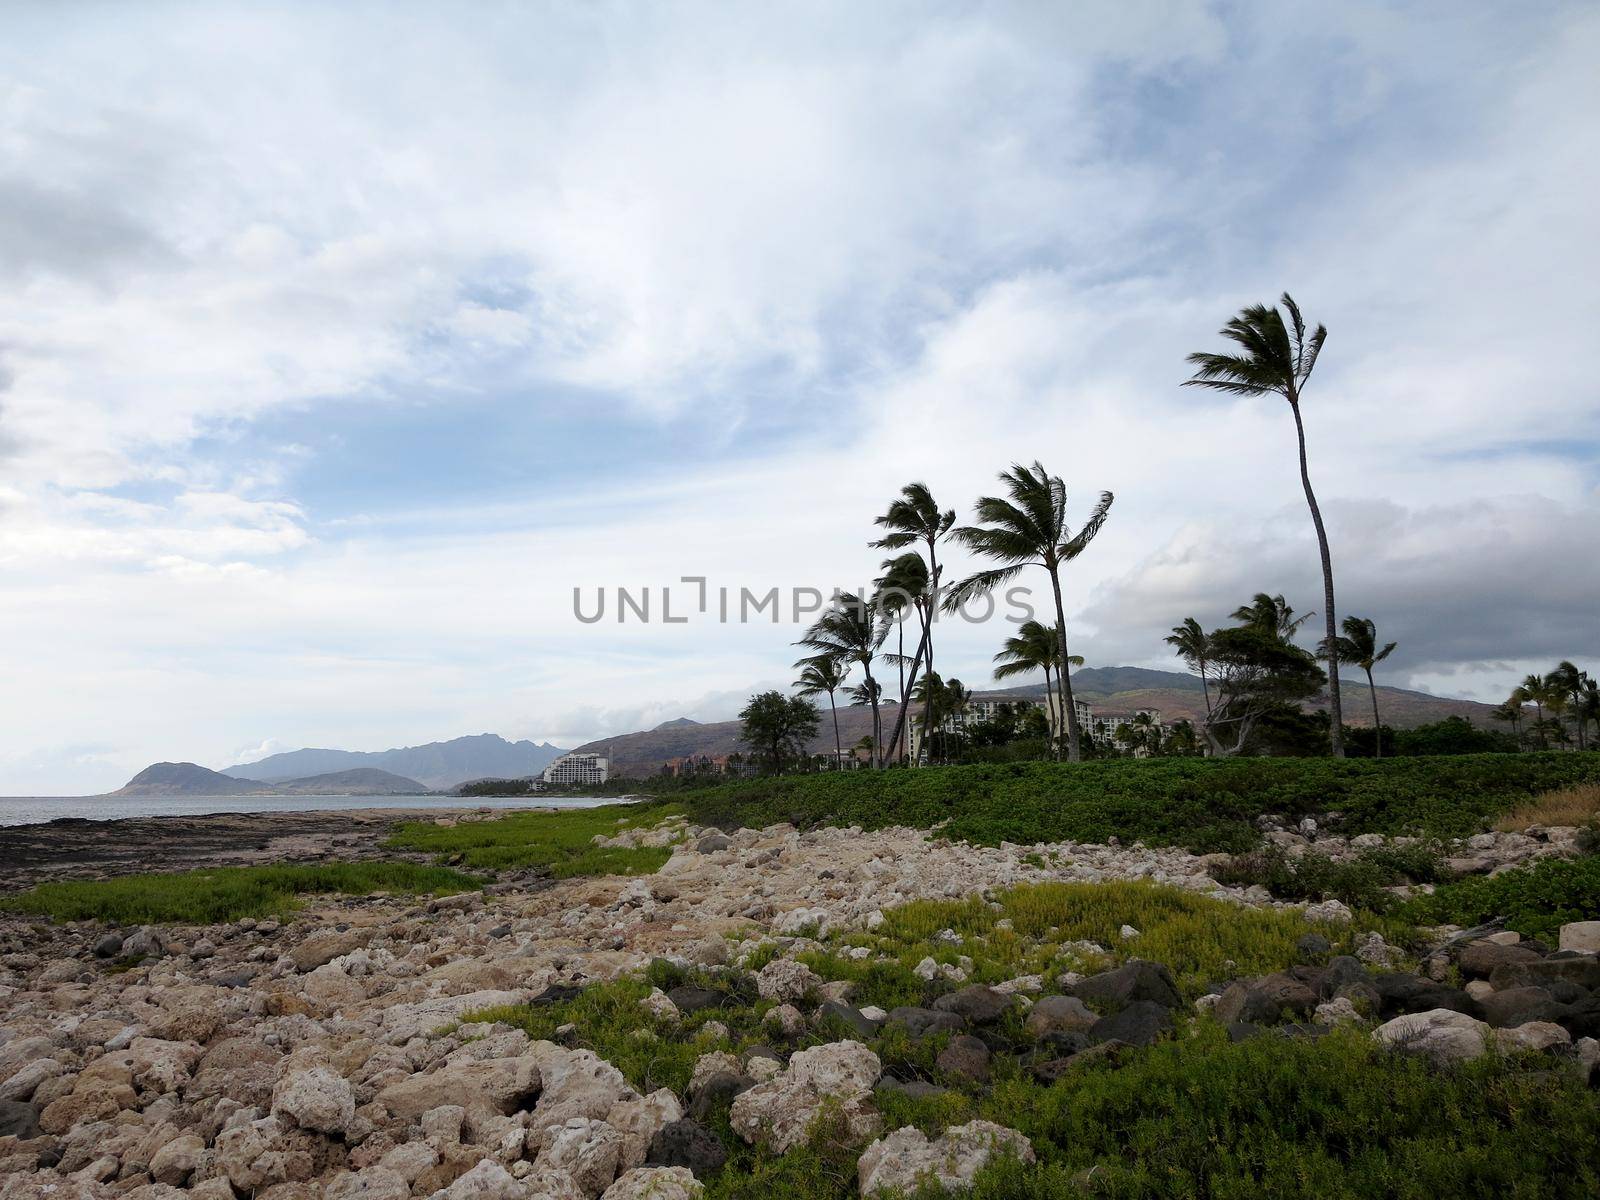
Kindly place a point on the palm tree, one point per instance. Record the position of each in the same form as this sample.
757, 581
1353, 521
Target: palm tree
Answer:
903, 585
1271, 614
1511, 713
1571, 683
1277, 360
917, 518
1359, 647
1033, 648
1532, 691
1029, 529
824, 674
1194, 647
1588, 708
853, 630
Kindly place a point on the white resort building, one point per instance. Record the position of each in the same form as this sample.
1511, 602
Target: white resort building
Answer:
578, 768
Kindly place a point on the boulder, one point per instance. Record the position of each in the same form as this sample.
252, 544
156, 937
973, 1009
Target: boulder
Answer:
687, 1144
688, 999
1059, 1014
637, 1119
1444, 1035
1135, 980
778, 1114
655, 1183
1580, 936
1580, 969
178, 1159
852, 1018
18, 1120
966, 1057
1139, 1024
322, 948
1267, 1000
486, 1181
977, 1004
315, 1099
1400, 993
503, 1085
1478, 959
1507, 1007
374, 1183
588, 1150
1533, 1035
785, 980
920, 1022
907, 1160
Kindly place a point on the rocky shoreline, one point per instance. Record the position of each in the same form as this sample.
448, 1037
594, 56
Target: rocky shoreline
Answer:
325, 1055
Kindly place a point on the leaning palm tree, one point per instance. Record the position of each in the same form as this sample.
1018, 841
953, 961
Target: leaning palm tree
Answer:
902, 588
852, 630
823, 674
1511, 713
916, 519
1193, 645
1277, 360
1028, 528
1359, 648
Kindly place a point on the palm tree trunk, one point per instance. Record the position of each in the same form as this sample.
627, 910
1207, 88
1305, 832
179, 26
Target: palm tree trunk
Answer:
905, 692
1074, 753
1538, 723
1377, 725
838, 747
933, 607
900, 653
1335, 708
1049, 711
877, 723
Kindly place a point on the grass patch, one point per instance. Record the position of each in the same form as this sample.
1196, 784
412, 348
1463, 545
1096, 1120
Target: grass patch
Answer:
1576, 805
227, 893
1203, 804
1536, 901
560, 843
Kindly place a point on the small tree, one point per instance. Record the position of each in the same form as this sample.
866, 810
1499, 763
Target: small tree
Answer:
1359, 647
777, 727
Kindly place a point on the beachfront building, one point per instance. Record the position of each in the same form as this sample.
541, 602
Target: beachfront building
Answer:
577, 768
737, 766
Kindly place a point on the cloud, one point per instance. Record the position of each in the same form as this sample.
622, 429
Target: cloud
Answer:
341, 349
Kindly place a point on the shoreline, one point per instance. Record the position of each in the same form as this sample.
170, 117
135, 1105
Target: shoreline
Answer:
92, 848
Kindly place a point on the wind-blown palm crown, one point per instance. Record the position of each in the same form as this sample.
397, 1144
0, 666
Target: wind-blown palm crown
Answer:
852, 629
1275, 358
1270, 614
1028, 527
824, 674
1359, 647
1193, 645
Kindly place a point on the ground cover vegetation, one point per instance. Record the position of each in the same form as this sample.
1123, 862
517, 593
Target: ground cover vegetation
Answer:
560, 843
228, 893
1201, 1115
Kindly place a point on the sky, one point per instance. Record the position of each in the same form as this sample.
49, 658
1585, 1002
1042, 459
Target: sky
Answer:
340, 343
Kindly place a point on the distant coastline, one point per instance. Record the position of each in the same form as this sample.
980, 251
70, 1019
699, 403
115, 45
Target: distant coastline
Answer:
37, 810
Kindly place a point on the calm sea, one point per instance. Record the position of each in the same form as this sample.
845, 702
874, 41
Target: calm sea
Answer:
31, 810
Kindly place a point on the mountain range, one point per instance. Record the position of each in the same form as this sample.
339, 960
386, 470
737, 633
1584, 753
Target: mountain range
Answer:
191, 779
437, 764
1176, 695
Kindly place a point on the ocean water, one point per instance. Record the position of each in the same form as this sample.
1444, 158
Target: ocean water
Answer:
32, 810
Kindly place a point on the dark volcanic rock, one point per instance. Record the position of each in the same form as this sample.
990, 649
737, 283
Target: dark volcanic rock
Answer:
920, 1022
977, 1004
1340, 971
966, 1057
1583, 970
718, 1092
688, 1144
1268, 999
1135, 980
18, 1120
1400, 993
857, 1021
917, 1089
1140, 1024
1055, 1068
693, 999
1479, 959
1312, 947
1501, 1009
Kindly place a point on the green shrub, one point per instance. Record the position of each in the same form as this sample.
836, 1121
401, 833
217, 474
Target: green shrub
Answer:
1203, 804
1359, 882
1536, 901
227, 893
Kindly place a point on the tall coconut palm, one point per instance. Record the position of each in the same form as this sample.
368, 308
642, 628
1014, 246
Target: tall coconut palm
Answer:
1277, 359
1359, 647
852, 630
916, 519
1532, 691
823, 674
1588, 708
1028, 528
1194, 647
902, 588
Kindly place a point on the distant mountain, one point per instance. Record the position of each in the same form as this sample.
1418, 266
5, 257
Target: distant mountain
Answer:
358, 781
1176, 695
437, 765
184, 779
680, 723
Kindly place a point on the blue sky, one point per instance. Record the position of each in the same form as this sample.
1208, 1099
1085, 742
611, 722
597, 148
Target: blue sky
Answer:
338, 345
